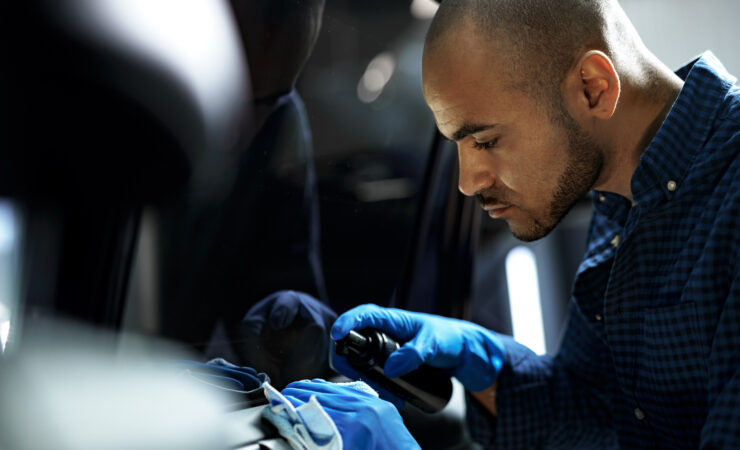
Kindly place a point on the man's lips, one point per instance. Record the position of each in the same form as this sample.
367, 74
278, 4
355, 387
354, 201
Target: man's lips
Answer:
493, 207
496, 211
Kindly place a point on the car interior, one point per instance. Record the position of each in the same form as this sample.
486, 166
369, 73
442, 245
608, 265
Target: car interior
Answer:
170, 169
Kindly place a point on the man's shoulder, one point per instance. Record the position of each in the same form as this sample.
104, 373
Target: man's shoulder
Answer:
730, 110
719, 162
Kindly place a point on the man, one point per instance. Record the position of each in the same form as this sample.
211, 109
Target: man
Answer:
546, 101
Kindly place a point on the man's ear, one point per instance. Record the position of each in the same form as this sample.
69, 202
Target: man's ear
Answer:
595, 85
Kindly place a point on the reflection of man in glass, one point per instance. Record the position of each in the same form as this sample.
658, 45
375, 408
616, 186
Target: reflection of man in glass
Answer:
274, 209
265, 236
278, 37
546, 101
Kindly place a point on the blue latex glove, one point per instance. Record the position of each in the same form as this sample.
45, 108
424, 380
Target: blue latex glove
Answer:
364, 421
473, 354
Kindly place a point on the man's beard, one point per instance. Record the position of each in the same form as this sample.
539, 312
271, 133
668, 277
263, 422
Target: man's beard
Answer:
581, 172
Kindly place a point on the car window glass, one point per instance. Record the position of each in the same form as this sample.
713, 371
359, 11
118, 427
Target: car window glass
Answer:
372, 134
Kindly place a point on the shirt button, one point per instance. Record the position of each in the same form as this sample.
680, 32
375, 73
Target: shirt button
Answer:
602, 197
615, 241
598, 317
671, 186
639, 414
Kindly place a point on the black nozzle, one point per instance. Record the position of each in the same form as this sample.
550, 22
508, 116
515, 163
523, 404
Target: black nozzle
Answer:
366, 349
428, 388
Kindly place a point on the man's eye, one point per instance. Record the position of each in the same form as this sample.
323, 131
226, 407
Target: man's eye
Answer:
485, 145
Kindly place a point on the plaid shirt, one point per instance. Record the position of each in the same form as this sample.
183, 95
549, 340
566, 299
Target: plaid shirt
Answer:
651, 355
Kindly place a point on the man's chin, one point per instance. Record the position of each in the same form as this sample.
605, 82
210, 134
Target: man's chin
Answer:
528, 232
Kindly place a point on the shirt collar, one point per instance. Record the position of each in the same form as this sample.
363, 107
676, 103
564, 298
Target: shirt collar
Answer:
666, 160
612, 206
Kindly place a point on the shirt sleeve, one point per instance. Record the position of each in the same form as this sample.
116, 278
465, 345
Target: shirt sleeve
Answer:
721, 429
553, 402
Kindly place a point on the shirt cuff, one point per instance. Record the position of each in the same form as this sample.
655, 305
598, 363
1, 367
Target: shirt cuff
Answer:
522, 402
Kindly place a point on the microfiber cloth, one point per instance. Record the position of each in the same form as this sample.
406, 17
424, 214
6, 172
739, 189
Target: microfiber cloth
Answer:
287, 336
307, 427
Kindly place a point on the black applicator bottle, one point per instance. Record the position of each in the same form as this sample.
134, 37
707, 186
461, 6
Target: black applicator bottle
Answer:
428, 388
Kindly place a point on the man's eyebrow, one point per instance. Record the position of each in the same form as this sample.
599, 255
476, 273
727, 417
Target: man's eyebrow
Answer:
470, 128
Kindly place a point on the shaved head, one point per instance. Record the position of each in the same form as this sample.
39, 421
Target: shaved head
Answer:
492, 73
540, 39
545, 99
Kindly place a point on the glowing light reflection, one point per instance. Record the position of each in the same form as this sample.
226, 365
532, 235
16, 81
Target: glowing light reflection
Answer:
423, 9
4, 333
7, 227
376, 77
524, 299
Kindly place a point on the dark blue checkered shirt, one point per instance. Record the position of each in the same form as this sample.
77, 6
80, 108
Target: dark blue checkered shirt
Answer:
651, 355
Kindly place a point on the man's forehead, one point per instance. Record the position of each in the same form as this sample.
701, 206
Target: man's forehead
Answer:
456, 74
458, 116
465, 57
458, 40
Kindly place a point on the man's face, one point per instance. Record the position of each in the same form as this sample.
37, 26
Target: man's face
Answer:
525, 159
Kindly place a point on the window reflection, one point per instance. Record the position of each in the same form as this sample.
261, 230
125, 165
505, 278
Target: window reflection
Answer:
372, 135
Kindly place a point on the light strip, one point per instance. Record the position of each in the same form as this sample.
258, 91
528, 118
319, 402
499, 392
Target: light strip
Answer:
8, 250
524, 299
4, 333
7, 227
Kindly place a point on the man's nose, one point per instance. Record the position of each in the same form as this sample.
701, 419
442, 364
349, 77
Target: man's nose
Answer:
475, 173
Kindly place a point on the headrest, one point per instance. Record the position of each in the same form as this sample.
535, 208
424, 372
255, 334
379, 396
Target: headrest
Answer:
122, 98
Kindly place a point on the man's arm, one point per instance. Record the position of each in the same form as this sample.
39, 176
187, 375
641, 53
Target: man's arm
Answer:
722, 428
559, 402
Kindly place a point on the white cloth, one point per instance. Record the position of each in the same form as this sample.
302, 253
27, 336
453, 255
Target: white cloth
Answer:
307, 427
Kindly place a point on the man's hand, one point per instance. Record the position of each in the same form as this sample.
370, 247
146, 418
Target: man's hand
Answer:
473, 354
364, 421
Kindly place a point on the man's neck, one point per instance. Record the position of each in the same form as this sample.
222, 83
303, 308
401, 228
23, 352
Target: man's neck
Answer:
644, 105
262, 108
